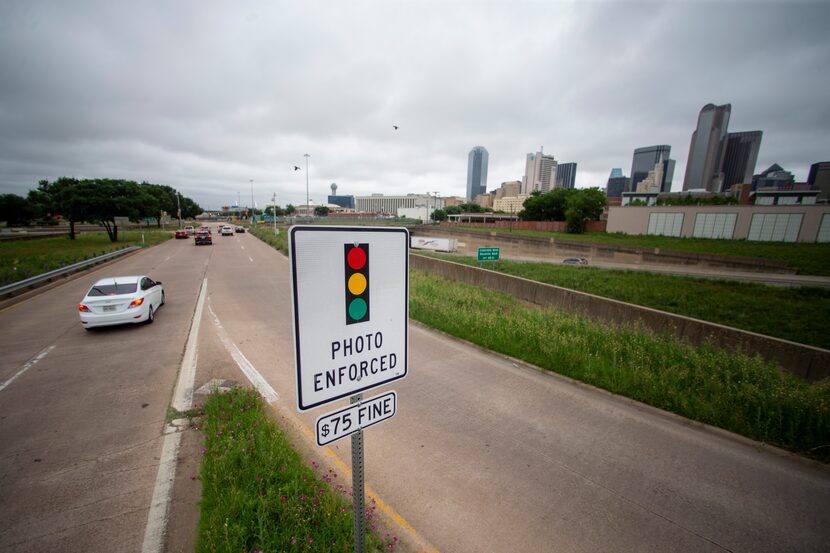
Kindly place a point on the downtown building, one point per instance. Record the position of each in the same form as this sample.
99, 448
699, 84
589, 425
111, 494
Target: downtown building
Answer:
477, 161
740, 158
651, 169
617, 183
719, 159
540, 173
565, 175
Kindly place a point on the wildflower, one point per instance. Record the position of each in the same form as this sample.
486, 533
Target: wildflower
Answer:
310, 540
293, 541
316, 503
283, 499
343, 509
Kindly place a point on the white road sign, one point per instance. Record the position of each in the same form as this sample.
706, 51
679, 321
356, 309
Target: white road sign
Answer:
358, 416
350, 289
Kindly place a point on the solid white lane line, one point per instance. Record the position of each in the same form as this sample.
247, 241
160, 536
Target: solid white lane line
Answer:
29, 364
182, 400
251, 258
183, 396
259, 382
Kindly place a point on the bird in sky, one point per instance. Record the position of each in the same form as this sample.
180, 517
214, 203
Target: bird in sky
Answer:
296, 168
395, 127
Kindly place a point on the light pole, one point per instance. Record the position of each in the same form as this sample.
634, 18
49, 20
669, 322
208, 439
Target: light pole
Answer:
436, 205
306, 156
179, 206
274, 213
252, 201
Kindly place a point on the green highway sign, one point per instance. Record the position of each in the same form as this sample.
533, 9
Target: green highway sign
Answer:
488, 254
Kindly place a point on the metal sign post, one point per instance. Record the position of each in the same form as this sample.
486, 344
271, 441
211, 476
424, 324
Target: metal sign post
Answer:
358, 502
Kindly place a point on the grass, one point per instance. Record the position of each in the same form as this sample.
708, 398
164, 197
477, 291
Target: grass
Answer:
20, 259
257, 493
266, 234
732, 391
796, 314
808, 259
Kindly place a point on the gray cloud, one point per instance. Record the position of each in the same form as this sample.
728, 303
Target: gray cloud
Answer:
205, 96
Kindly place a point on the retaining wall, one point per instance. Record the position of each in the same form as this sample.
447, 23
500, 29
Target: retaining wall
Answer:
808, 362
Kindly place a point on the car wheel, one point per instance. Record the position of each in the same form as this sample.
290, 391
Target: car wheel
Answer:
150, 316
162, 299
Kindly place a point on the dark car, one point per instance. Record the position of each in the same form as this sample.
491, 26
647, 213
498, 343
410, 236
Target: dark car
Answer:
203, 238
181, 234
239, 229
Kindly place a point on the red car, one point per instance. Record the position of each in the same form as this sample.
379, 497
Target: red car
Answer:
181, 234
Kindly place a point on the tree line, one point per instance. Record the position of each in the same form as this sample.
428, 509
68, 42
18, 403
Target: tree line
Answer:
96, 201
577, 206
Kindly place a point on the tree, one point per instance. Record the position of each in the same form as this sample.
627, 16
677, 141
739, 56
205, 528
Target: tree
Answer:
270, 209
439, 215
452, 210
549, 206
17, 211
289, 209
321, 211
584, 205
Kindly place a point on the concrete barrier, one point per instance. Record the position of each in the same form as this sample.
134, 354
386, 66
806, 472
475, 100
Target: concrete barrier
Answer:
808, 362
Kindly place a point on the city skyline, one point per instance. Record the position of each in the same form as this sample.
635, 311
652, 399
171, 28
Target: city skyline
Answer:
390, 98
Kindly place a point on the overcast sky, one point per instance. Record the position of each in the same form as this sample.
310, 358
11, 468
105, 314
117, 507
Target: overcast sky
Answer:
206, 96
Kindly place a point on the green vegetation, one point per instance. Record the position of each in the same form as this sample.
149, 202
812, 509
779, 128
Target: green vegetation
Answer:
577, 206
736, 392
96, 201
266, 234
809, 259
257, 495
797, 314
21, 259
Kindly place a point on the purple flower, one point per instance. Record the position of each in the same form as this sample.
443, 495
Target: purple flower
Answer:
293, 541
310, 540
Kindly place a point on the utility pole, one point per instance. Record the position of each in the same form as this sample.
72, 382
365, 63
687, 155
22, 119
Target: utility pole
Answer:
306, 156
274, 213
253, 220
179, 205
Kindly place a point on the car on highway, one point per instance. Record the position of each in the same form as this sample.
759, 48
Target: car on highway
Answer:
203, 237
227, 231
575, 261
121, 300
181, 233
239, 229
189, 229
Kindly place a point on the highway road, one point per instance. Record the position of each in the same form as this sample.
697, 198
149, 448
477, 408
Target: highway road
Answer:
484, 454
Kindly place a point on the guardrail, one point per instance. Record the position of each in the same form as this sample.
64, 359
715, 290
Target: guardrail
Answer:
15, 287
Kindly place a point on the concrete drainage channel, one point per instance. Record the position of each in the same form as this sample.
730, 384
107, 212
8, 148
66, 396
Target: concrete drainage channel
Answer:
22, 286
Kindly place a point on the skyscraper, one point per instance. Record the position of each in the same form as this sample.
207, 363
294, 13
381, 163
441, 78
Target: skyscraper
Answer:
617, 183
740, 158
540, 173
648, 159
704, 168
565, 175
477, 172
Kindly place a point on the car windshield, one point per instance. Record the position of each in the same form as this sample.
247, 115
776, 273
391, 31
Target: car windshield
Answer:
113, 289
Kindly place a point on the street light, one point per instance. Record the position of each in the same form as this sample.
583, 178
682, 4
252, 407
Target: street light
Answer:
306, 156
274, 213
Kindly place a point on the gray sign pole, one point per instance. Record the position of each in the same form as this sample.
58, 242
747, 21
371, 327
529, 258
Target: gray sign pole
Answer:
358, 487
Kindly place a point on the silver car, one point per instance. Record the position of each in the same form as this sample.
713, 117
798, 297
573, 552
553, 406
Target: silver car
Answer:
121, 300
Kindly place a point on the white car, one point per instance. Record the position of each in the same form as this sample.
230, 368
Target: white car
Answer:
227, 231
121, 300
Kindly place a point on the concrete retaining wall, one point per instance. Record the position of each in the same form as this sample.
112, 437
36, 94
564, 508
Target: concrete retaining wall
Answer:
808, 362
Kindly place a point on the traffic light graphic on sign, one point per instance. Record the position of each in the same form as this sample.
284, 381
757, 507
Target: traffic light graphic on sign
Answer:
357, 282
